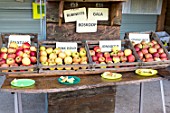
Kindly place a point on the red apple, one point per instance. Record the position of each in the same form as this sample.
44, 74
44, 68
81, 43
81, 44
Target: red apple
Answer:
131, 58
157, 46
120, 53
148, 55
123, 58
163, 55
11, 55
139, 46
4, 49
140, 54
106, 54
26, 45
14, 65
10, 61
150, 44
33, 59
155, 54
33, 48
127, 52
11, 50
154, 42
2, 61
33, 53
160, 50
27, 51
18, 59
94, 58
108, 59
19, 48
99, 54
26, 61
145, 46
92, 52
152, 50
97, 49
157, 59
101, 59
3, 55
149, 59
164, 58
144, 51
143, 59
19, 53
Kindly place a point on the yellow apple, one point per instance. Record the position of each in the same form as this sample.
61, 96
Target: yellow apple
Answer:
49, 50
43, 53
50, 60
75, 67
83, 53
52, 56
59, 60
68, 60
83, 67
52, 64
13, 45
60, 68
43, 58
77, 59
62, 55
68, 52
42, 48
57, 51
84, 58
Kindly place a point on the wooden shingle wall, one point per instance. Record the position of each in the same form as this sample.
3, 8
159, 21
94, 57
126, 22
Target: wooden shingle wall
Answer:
167, 18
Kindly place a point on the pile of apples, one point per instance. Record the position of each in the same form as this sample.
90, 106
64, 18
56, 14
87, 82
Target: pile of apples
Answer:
115, 56
55, 56
150, 51
14, 55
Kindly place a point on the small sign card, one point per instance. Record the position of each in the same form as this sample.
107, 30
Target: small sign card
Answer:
137, 38
75, 14
98, 13
86, 26
19, 39
67, 46
107, 45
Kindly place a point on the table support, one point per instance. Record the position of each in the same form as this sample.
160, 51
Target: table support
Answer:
163, 96
18, 103
141, 98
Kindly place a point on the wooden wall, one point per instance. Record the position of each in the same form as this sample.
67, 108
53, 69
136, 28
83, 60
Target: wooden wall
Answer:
167, 18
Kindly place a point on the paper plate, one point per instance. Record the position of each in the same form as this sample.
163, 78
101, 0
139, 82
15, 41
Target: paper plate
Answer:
146, 72
22, 82
76, 81
111, 77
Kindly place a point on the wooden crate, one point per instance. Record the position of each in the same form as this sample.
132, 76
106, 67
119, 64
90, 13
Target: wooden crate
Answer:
153, 64
114, 67
19, 69
83, 68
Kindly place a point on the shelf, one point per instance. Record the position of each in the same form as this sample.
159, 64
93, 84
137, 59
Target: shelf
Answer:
90, 0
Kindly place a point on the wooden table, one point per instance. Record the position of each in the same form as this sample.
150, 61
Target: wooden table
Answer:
50, 84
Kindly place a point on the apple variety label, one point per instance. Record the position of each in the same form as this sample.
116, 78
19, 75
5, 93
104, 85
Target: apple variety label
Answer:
107, 45
86, 26
75, 14
98, 13
137, 38
67, 46
19, 39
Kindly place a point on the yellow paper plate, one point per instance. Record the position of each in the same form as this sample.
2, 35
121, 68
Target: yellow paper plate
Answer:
146, 72
107, 75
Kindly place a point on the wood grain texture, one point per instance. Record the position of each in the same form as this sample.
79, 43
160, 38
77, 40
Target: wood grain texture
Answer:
67, 33
50, 84
90, 0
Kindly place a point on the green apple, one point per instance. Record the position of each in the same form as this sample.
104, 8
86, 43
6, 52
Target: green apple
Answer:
75, 54
83, 53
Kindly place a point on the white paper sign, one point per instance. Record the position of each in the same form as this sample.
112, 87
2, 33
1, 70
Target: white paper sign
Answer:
19, 39
137, 38
107, 45
67, 46
98, 13
75, 14
86, 26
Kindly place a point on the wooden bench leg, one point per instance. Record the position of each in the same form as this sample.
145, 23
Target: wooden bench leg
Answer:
141, 98
163, 96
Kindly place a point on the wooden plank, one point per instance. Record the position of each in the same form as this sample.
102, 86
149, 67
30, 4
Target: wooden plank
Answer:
161, 17
67, 33
90, 0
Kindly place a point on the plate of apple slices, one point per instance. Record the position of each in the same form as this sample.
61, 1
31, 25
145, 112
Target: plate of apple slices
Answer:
146, 72
110, 75
69, 80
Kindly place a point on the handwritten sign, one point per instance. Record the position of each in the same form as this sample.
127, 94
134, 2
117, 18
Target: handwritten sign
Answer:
75, 14
107, 45
19, 39
137, 38
98, 13
67, 46
86, 26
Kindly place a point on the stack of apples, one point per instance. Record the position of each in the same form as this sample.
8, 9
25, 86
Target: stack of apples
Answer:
55, 56
115, 56
150, 51
14, 55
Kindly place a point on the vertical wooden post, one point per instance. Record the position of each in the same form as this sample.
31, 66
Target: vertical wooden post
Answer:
161, 17
61, 6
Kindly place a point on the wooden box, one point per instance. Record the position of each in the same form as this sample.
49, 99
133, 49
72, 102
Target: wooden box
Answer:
153, 64
62, 69
114, 67
18, 69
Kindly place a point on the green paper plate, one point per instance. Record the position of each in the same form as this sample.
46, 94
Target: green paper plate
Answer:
139, 72
76, 81
116, 76
22, 82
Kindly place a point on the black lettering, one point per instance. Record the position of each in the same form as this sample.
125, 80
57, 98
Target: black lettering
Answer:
86, 24
75, 14
97, 14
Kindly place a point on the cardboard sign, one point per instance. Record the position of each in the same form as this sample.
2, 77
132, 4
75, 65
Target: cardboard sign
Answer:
19, 39
107, 45
137, 38
98, 13
75, 14
67, 46
86, 26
